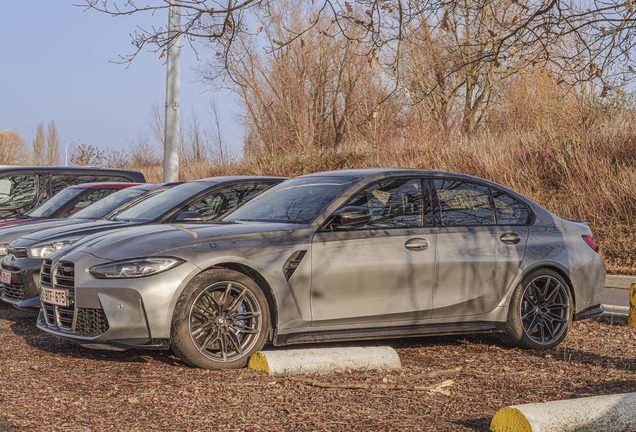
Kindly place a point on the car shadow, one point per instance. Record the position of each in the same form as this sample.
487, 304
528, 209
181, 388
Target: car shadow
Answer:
22, 324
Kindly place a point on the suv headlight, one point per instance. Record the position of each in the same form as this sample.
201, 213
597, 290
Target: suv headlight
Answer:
42, 251
134, 268
4, 249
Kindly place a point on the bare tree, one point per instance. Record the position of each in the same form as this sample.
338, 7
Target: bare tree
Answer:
52, 145
13, 149
605, 28
87, 155
217, 131
39, 146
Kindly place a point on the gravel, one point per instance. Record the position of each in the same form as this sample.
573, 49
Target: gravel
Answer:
48, 383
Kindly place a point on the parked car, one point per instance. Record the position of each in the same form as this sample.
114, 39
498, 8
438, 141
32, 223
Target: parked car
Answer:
201, 200
333, 256
68, 201
25, 188
105, 208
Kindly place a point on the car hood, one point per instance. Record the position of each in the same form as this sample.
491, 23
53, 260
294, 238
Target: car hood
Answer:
26, 220
67, 232
11, 233
153, 240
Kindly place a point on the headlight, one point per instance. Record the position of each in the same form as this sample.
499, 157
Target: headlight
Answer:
45, 250
134, 268
4, 249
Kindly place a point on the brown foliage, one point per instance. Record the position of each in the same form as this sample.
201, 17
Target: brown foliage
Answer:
13, 149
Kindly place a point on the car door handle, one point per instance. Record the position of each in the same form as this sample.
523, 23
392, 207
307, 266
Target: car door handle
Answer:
417, 244
510, 238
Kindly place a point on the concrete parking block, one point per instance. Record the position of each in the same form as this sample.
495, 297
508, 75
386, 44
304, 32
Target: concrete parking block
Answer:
323, 360
600, 413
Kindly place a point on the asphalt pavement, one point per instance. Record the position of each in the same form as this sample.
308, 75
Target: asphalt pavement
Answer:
617, 290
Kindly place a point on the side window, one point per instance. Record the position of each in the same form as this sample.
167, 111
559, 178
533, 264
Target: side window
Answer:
395, 203
215, 204
61, 181
92, 198
464, 203
509, 211
16, 191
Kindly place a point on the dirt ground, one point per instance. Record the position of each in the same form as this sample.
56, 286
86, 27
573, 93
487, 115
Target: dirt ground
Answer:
48, 383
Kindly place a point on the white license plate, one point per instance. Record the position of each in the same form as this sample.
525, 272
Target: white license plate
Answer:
53, 296
5, 277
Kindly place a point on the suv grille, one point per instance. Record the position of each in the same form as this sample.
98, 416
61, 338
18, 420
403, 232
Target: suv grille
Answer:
15, 290
17, 252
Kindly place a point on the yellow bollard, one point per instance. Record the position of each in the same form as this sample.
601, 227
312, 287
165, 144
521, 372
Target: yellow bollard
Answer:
631, 320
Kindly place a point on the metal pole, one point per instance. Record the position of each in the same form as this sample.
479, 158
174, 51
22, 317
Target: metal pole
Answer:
66, 151
6, 130
173, 80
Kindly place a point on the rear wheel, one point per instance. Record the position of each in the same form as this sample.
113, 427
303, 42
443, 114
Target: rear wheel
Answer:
220, 320
540, 311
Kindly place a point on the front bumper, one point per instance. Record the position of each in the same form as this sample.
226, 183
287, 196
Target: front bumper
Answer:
23, 291
117, 313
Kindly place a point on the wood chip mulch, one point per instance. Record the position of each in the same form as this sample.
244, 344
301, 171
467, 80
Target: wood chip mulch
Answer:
446, 384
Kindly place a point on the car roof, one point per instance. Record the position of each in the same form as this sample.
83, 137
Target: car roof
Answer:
58, 169
154, 186
105, 185
236, 179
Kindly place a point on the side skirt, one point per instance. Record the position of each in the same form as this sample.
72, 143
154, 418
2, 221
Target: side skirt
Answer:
388, 332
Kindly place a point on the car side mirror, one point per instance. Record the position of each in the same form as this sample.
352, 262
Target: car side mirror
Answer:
189, 216
351, 217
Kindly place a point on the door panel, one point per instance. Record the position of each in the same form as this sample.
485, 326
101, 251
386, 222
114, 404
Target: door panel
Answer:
371, 276
474, 268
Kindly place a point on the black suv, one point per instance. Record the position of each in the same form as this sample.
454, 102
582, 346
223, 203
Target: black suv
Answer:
23, 188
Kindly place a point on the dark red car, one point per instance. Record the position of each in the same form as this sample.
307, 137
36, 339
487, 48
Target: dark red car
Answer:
69, 201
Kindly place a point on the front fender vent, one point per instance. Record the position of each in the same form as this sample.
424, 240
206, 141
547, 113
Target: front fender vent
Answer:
293, 262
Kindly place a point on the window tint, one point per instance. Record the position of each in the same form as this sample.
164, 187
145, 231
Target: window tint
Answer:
214, 205
57, 202
93, 197
62, 181
158, 205
509, 211
296, 201
16, 191
464, 203
395, 203
108, 204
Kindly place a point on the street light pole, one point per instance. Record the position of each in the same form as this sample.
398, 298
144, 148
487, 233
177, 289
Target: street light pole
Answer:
66, 151
6, 130
173, 80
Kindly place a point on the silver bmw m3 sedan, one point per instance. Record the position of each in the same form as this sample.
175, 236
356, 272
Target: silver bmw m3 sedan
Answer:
333, 256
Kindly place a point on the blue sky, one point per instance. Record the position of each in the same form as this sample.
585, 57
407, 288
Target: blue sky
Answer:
55, 66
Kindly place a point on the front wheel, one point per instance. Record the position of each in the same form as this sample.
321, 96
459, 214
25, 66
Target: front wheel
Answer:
220, 320
540, 311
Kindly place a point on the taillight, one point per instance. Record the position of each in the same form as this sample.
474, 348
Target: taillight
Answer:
590, 242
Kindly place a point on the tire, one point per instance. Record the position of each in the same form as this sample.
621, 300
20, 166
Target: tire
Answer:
540, 311
221, 318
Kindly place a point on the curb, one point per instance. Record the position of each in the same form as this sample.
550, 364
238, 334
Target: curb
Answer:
323, 360
599, 413
614, 315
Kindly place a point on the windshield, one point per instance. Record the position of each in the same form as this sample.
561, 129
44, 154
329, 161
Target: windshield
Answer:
58, 201
106, 205
156, 206
296, 201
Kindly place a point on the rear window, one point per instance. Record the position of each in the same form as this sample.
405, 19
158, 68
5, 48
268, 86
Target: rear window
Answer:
16, 191
107, 205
